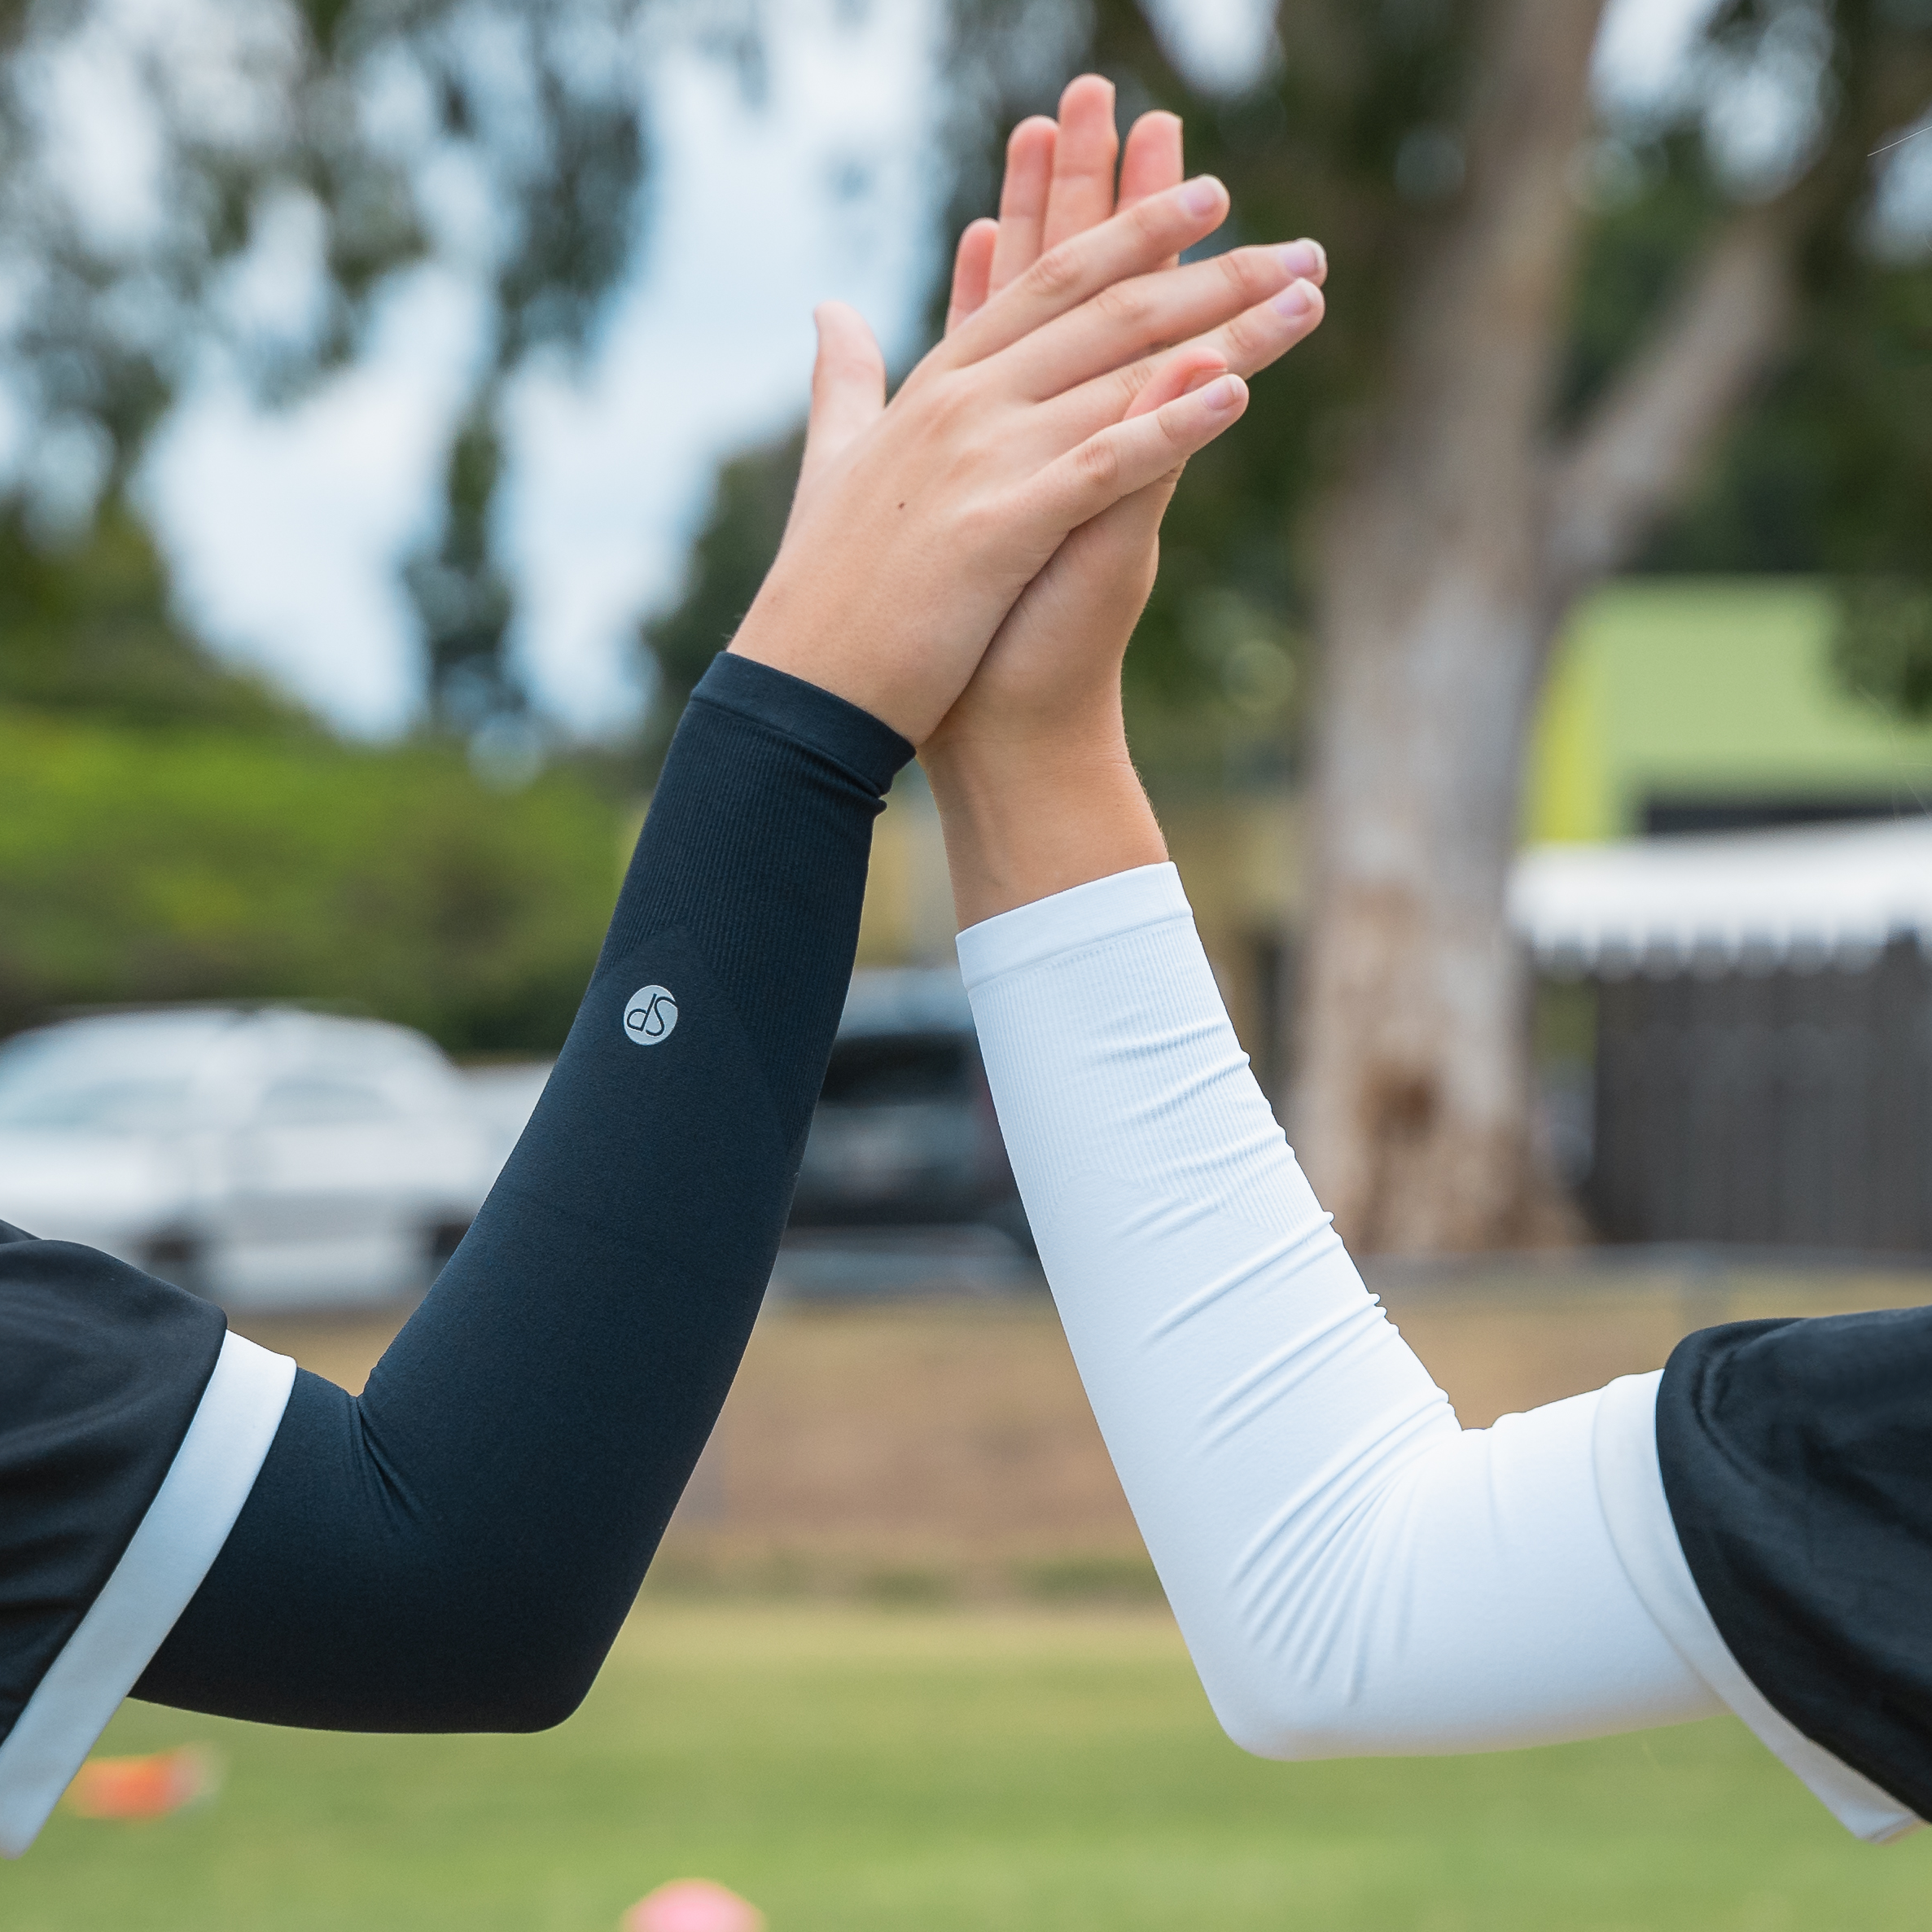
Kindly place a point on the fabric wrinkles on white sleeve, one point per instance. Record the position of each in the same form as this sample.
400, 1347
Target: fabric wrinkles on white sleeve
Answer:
1102, 908
1354, 1572
171, 1551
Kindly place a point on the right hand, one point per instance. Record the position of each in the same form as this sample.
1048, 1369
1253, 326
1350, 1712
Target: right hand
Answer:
918, 525
1031, 770
1049, 682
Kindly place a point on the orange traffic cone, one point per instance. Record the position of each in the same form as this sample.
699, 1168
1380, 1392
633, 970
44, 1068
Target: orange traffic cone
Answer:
693, 1905
149, 1787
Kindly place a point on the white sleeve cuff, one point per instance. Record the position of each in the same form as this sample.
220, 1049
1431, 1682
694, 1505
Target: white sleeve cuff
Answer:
160, 1569
1104, 909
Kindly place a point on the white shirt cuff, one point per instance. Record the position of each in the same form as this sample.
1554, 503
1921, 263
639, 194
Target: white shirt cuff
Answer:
1630, 1481
161, 1568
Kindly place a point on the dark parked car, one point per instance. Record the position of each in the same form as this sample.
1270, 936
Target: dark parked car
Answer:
905, 1135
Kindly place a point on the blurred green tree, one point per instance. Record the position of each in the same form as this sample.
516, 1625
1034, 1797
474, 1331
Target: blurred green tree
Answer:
139, 864
171, 828
751, 501
342, 142
85, 629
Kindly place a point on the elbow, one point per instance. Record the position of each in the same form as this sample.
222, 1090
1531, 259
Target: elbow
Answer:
1262, 1725
1271, 1710
528, 1694
542, 1707
515, 1665
533, 1686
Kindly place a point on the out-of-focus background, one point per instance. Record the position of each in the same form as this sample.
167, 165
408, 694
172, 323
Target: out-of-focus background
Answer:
399, 405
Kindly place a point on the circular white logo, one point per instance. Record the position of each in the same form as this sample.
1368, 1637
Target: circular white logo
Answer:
651, 1016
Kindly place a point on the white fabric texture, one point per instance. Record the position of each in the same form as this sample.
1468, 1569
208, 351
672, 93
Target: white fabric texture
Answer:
161, 1568
1354, 1572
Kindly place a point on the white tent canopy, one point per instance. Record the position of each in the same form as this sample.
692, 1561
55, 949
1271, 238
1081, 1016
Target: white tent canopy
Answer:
1809, 893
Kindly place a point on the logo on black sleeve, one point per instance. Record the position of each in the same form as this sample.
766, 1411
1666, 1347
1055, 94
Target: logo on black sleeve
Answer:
651, 1016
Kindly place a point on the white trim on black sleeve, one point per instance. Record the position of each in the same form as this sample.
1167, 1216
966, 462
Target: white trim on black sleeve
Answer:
162, 1568
1630, 1482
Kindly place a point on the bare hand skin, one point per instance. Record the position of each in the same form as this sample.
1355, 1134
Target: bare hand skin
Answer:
917, 526
1036, 790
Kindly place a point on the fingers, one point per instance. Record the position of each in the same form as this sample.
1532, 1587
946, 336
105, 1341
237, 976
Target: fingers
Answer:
1023, 198
1253, 341
848, 386
1264, 333
1140, 315
1181, 373
1127, 457
1152, 163
972, 270
1131, 243
1081, 196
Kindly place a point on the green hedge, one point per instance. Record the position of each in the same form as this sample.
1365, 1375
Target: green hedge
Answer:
140, 865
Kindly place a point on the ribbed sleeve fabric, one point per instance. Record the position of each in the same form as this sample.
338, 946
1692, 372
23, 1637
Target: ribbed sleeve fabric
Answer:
1354, 1572
456, 1548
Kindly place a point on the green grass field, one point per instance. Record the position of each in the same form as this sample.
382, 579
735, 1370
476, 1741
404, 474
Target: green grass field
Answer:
853, 1770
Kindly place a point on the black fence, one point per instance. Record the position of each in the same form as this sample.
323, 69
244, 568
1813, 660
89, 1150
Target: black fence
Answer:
1780, 1107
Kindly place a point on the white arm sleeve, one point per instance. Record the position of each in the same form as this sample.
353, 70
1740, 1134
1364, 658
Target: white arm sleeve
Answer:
1354, 1572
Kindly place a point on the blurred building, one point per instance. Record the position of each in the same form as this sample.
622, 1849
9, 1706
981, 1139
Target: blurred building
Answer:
1736, 992
1703, 705
1765, 1081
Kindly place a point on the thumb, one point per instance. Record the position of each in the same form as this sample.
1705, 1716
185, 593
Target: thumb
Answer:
848, 386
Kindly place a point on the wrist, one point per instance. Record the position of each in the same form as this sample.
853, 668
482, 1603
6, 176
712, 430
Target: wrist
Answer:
786, 630
1025, 819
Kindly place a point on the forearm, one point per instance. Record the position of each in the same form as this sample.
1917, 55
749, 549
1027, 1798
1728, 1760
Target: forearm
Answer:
455, 1549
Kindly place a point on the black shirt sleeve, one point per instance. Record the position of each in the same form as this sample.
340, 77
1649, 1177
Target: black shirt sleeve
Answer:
101, 1370
456, 1548
1797, 1460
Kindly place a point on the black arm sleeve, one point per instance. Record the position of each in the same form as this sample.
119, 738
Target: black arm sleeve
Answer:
456, 1549
1797, 1460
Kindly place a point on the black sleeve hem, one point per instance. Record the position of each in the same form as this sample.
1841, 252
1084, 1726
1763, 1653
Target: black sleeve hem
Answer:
872, 751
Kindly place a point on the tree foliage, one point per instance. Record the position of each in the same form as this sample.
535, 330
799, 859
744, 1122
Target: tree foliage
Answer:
86, 631
751, 500
171, 828
139, 864
1356, 132
333, 143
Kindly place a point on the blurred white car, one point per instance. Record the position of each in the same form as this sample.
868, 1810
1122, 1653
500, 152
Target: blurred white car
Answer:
264, 1158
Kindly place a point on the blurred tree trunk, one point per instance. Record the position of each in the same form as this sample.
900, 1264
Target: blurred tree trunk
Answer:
1452, 547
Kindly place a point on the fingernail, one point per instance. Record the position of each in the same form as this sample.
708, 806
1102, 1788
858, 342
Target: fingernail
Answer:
1304, 258
1223, 394
1297, 299
1202, 196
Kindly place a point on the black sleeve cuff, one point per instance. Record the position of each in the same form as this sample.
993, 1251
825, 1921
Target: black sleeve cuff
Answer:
873, 753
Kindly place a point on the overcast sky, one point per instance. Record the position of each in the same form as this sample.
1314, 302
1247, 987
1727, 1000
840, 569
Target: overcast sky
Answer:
285, 530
